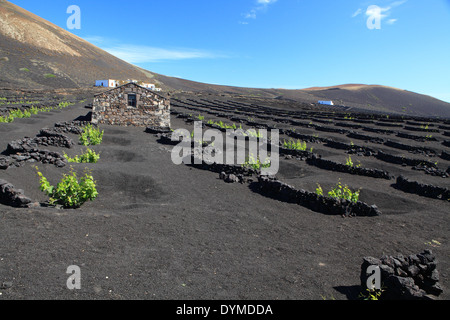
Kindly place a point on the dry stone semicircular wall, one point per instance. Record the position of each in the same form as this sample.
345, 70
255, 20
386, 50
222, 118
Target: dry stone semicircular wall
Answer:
412, 277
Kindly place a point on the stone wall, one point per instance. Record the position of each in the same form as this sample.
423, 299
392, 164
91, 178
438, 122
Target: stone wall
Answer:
412, 277
11, 196
340, 167
421, 129
281, 191
19, 152
111, 107
364, 137
416, 138
425, 190
445, 155
420, 150
402, 160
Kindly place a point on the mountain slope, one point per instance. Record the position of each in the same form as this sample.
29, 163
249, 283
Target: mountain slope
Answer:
51, 57
383, 99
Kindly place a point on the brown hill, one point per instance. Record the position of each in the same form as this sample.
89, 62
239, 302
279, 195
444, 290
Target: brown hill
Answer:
383, 99
51, 57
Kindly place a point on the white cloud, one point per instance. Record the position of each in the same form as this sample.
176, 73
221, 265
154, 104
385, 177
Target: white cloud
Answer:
391, 21
142, 54
251, 14
357, 13
398, 3
265, 2
261, 5
96, 40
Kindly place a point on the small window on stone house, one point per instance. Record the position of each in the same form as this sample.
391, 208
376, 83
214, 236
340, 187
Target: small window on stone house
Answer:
132, 100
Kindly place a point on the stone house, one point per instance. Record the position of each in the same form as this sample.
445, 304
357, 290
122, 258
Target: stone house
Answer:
131, 105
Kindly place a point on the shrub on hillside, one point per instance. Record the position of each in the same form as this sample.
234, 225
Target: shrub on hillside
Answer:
70, 192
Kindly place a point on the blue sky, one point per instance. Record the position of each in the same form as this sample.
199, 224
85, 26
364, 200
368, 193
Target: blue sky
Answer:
291, 44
